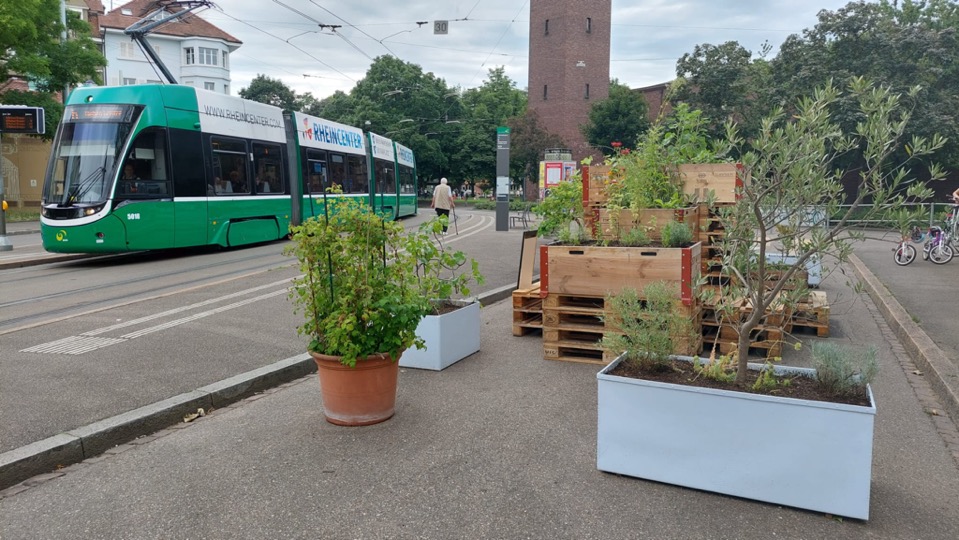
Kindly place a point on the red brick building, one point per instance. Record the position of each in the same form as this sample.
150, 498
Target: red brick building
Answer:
569, 42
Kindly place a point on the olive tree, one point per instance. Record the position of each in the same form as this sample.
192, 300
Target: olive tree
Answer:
791, 182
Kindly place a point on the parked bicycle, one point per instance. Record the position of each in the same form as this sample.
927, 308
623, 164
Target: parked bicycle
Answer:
905, 252
937, 247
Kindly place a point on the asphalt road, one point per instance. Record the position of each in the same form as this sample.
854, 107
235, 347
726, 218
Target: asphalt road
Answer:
88, 339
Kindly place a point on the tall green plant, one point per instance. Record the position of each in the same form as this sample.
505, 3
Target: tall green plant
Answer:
562, 209
441, 272
792, 179
358, 293
647, 326
646, 175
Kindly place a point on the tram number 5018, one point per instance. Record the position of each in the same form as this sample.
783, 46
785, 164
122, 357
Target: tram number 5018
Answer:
441, 27
131, 217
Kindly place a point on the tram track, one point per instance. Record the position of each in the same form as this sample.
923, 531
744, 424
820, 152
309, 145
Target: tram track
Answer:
471, 224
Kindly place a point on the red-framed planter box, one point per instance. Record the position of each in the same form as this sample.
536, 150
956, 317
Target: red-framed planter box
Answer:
605, 270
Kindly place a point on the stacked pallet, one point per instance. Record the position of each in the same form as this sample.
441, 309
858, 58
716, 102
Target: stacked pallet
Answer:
722, 331
527, 310
711, 235
813, 313
573, 327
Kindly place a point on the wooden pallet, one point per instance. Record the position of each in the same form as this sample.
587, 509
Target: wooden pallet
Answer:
581, 352
769, 348
527, 311
812, 314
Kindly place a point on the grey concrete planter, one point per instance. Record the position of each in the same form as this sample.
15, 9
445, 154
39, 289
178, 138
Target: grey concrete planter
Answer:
449, 338
806, 454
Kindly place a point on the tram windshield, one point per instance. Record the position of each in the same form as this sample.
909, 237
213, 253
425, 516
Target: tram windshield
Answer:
87, 151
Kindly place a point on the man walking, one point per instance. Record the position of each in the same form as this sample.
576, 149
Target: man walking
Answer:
443, 201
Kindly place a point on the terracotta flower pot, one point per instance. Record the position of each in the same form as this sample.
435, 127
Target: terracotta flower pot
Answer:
357, 396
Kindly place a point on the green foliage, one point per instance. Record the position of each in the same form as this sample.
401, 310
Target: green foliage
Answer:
359, 293
30, 46
645, 177
844, 371
676, 234
724, 82
527, 141
648, 325
484, 204
895, 44
562, 208
635, 237
768, 382
270, 91
793, 179
439, 271
621, 117
722, 369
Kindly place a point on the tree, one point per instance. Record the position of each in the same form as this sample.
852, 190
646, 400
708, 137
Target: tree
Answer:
30, 48
898, 44
484, 109
725, 84
270, 91
528, 140
792, 181
621, 117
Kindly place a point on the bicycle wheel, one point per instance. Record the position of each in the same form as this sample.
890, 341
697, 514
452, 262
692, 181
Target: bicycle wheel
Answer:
905, 254
941, 254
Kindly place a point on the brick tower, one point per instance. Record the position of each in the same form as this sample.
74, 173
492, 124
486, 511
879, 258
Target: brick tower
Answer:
568, 64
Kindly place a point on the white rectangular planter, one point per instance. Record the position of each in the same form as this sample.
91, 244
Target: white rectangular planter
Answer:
449, 338
807, 454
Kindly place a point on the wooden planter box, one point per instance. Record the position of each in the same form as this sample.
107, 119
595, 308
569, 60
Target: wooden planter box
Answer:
721, 178
652, 219
806, 454
600, 271
595, 180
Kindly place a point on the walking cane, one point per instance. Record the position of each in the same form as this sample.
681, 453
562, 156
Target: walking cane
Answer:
455, 224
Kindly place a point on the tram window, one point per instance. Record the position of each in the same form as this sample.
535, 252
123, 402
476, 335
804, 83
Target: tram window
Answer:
407, 181
268, 164
385, 177
359, 179
316, 170
229, 166
143, 173
336, 173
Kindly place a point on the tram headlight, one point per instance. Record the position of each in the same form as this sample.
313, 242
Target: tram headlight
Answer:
92, 210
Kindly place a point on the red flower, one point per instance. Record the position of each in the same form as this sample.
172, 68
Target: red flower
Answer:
624, 151
616, 144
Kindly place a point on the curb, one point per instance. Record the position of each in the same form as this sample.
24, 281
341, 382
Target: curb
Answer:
942, 373
87, 441
94, 439
43, 259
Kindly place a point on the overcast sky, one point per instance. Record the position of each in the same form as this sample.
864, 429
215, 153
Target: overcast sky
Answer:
283, 38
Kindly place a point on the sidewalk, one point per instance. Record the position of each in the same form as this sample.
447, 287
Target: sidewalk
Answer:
499, 445
29, 255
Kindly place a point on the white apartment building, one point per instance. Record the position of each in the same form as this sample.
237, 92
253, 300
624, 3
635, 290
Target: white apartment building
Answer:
196, 52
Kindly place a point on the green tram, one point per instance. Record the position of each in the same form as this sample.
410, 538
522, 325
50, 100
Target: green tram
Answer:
165, 166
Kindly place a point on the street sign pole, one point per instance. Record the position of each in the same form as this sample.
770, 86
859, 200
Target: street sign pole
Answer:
502, 179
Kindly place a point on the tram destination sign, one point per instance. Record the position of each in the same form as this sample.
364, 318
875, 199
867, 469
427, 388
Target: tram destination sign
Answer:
22, 119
